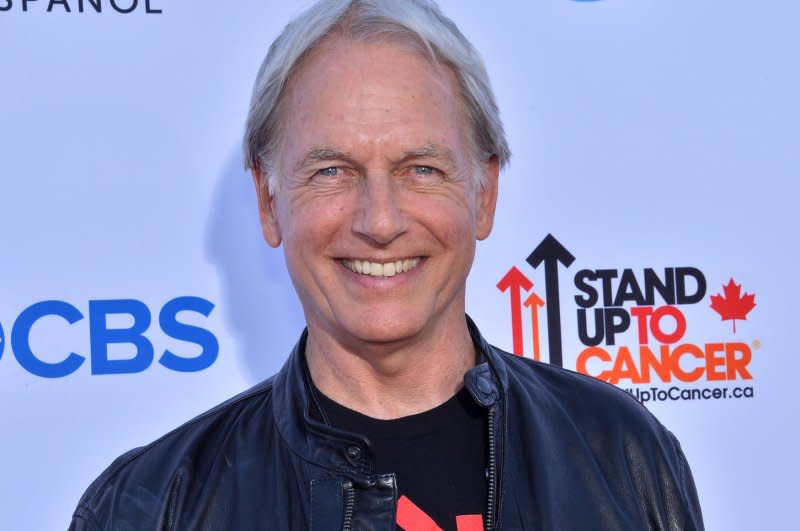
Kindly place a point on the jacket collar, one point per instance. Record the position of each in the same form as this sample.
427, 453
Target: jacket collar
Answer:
487, 380
296, 411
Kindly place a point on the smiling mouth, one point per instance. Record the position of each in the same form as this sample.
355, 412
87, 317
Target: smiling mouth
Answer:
380, 269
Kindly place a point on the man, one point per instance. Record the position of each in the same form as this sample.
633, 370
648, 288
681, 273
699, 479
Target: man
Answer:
375, 147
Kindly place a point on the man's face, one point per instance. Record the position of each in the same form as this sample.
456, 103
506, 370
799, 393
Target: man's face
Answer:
377, 207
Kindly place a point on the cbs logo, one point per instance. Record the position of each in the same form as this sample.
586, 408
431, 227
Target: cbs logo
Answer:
102, 336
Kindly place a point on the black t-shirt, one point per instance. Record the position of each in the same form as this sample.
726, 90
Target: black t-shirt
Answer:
438, 457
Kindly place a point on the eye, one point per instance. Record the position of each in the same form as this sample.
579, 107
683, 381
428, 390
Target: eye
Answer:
328, 172
421, 176
333, 178
424, 170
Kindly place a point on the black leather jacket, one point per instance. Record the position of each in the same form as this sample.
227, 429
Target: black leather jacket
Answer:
567, 452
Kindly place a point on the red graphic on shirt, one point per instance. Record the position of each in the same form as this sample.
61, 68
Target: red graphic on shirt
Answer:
412, 518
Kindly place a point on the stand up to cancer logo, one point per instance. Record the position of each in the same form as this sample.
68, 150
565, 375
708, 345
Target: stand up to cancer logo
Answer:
631, 324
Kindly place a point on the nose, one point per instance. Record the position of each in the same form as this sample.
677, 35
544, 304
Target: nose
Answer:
379, 217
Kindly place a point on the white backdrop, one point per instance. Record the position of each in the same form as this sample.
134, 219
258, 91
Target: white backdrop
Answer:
646, 134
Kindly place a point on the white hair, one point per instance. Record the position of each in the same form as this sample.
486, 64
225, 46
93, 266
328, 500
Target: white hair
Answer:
417, 22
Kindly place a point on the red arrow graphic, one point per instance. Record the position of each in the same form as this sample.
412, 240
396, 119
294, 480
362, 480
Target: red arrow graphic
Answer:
471, 522
516, 281
412, 518
534, 302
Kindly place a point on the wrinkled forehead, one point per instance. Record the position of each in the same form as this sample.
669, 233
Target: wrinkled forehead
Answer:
378, 90
405, 42
336, 61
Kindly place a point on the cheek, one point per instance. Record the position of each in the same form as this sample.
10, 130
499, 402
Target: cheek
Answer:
452, 222
312, 222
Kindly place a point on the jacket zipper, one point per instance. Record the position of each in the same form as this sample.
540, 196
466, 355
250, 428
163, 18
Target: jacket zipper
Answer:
350, 501
492, 475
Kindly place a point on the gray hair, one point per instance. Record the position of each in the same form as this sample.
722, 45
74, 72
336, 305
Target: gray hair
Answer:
419, 22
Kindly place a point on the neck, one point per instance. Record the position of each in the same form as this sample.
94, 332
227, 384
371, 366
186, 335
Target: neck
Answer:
387, 381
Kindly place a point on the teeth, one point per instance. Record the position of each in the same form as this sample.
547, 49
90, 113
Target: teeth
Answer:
377, 269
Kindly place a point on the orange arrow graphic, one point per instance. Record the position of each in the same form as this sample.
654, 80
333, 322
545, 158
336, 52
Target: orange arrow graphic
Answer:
534, 302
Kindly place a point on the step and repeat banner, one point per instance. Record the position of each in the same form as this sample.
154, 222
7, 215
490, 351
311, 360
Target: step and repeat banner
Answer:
646, 231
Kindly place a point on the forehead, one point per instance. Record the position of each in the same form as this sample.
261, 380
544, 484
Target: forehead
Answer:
371, 94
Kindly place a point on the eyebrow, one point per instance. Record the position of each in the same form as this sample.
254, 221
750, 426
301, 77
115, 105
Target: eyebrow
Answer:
322, 154
319, 154
433, 151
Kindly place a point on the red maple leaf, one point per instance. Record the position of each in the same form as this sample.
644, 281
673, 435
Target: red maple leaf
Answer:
732, 305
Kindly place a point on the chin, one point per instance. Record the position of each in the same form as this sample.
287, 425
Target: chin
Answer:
385, 327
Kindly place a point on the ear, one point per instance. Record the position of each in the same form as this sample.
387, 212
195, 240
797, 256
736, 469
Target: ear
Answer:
266, 209
487, 198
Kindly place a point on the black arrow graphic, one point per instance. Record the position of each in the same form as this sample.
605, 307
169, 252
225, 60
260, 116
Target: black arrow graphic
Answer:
551, 252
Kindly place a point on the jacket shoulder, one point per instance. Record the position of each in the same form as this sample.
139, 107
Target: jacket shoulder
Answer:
579, 395
591, 413
142, 476
607, 430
